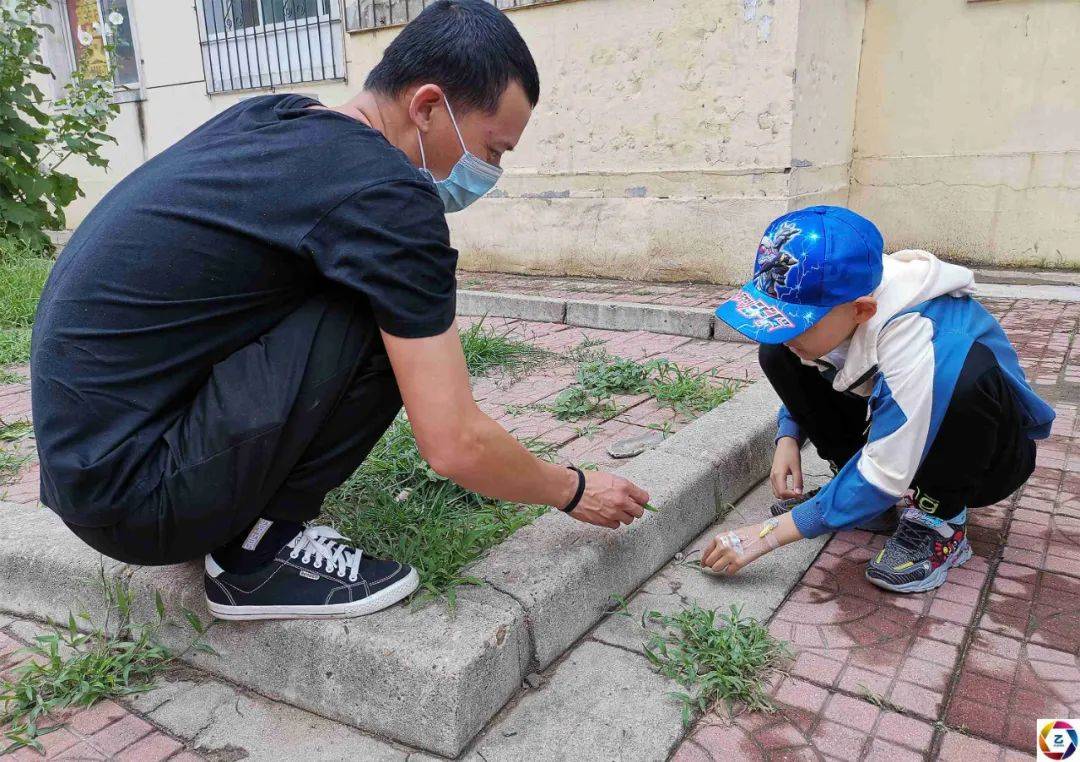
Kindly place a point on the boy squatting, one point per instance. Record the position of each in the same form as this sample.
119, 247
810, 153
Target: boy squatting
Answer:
900, 379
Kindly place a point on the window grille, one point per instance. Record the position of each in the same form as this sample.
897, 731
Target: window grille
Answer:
361, 15
250, 44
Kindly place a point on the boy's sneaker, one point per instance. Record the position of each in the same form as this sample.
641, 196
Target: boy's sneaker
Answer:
314, 576
885, 522
921, 552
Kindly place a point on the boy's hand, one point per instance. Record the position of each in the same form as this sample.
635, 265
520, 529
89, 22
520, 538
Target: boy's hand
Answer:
730, 551
787, 462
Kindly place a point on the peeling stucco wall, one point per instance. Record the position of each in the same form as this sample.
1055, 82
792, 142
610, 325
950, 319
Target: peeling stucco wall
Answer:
670, 132
968, 129
661, 146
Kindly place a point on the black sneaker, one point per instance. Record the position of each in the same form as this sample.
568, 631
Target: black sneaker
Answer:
885, 522
780, 507
315, 576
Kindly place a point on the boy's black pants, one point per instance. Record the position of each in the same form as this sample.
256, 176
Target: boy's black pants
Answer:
980, 455
277, 425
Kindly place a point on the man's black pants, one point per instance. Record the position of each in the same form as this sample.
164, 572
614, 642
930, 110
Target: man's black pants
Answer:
277, 425
980, 455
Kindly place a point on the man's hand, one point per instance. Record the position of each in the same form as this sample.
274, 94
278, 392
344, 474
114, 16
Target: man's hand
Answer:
610, 501
463, 444
787, 462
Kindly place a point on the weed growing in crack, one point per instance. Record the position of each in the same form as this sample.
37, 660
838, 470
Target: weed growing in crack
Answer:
487, 349
600, 377
685, 391
11, 460
717, 662
395, 506
879, 700
80, 663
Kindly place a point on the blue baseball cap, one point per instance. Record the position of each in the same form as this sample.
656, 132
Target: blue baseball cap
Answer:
808, 262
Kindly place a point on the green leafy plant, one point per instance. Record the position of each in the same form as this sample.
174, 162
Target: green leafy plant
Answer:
577, 402
686, 391
77, 665
487, 349
718, 659
396, 506
600, 377
34, 143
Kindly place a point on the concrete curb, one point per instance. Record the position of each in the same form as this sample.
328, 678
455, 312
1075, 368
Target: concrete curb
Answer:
695, 322
427, 678
563, 574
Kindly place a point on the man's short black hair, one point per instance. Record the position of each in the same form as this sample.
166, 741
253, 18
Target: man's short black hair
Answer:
469, 48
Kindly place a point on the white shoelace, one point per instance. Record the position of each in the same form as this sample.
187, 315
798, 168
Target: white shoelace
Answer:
321, 542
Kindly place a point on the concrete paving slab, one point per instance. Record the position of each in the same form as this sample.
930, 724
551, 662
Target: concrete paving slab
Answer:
600, 703
758, 590
564, 573
630, 316
222, 721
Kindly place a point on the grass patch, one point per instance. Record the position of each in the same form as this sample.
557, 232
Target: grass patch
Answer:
11, 460
396, 506
487, 349
10, 377
600, 377
74, 668
717, 662
22, 276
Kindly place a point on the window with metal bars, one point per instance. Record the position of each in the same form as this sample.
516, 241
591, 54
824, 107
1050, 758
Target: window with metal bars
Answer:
361, 15
250, 44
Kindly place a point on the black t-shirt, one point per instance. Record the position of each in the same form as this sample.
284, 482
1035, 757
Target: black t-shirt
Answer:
200, 251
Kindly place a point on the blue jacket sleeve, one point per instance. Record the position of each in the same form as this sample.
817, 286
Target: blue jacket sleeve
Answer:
786, 426
844, 502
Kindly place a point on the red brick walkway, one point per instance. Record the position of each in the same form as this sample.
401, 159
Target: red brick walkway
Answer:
960, 673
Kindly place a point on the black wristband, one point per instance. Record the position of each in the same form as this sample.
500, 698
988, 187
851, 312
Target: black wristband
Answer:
580, 490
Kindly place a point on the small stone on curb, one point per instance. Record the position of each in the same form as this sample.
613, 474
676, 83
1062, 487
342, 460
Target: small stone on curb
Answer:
533, 680
634, 446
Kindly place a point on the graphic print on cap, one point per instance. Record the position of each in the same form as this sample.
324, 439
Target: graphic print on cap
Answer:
773, 263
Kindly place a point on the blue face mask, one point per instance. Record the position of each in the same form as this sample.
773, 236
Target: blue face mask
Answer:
470, 178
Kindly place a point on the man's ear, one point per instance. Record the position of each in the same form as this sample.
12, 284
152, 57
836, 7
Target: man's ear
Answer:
865, 308
421, 102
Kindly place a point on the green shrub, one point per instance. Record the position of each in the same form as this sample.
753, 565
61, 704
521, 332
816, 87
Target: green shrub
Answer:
33, 142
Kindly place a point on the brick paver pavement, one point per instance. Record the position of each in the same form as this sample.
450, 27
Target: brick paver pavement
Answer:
960, 673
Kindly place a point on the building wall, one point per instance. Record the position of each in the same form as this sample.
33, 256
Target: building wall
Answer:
670, 132
967, 137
